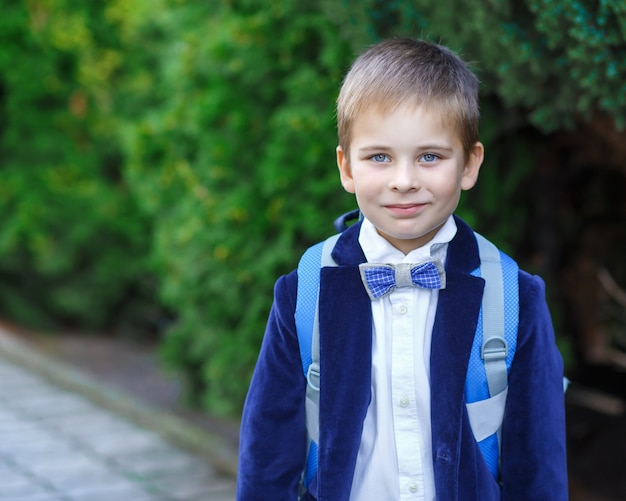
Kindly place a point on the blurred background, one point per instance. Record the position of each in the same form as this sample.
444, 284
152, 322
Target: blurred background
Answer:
162, 162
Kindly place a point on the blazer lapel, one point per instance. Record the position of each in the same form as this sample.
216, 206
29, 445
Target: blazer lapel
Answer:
453, 334
345, 364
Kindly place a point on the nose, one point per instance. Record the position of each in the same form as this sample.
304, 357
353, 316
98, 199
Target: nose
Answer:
404, 177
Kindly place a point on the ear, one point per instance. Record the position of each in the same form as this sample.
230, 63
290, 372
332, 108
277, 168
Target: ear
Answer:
345, 172
472, 166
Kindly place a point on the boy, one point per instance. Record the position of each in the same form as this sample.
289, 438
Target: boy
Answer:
392, 416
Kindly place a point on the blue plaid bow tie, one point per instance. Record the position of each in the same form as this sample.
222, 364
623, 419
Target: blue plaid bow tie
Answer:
382, 279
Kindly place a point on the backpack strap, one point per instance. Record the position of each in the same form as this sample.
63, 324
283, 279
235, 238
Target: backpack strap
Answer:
342, 222
307, 327
494, 346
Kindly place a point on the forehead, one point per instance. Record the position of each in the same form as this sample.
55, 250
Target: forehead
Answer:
410, 115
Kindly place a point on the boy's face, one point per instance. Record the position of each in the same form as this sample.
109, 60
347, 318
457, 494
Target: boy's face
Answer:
407, 169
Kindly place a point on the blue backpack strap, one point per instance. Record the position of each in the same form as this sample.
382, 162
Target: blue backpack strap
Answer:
493, 350
306, 301
306, 317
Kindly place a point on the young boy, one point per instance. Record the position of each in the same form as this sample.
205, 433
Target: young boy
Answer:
393, 424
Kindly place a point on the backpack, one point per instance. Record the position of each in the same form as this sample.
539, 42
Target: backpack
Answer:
493, 348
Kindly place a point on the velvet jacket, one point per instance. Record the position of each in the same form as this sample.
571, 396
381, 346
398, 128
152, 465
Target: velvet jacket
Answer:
273, 435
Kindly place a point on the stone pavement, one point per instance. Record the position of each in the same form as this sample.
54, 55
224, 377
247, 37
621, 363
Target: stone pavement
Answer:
58, 443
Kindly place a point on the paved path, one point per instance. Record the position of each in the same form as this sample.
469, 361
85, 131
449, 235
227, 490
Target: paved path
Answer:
56, 444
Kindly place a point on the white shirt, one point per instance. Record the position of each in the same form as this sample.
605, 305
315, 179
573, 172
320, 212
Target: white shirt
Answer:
395, 456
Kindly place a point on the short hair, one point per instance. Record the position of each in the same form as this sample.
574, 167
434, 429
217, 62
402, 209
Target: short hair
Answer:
401, 70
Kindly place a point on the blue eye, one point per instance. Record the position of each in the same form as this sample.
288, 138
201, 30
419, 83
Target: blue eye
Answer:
380, 157
429, 157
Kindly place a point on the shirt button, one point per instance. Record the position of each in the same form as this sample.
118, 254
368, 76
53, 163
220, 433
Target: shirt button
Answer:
402, 309
404, 402
413, 487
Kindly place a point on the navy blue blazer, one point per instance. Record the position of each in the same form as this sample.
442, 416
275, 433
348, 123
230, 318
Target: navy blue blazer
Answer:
273, 435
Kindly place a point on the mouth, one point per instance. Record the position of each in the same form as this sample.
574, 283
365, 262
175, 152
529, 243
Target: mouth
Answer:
405, 209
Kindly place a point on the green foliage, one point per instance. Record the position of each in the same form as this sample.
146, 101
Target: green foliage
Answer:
237, 169
585, 42
72, 242
558, 61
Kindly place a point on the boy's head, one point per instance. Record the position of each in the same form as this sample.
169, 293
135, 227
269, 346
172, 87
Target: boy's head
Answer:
415, 72
408, 138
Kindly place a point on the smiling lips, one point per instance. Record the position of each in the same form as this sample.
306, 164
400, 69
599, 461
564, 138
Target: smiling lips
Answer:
405, 209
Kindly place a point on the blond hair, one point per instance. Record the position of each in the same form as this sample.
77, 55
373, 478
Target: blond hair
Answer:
415, 72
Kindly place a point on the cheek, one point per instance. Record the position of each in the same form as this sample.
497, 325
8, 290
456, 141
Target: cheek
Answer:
447, 190
366, 184
437, 180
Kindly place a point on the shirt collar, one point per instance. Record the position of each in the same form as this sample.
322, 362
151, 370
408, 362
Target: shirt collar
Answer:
378, 250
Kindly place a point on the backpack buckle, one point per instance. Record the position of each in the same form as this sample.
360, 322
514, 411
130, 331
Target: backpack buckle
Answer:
313, 376
494, 348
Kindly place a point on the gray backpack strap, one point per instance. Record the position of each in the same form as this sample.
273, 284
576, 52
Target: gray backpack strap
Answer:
313, 374
494, 349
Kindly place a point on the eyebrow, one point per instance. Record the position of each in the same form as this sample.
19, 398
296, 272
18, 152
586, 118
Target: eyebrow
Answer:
439, 147
373, 148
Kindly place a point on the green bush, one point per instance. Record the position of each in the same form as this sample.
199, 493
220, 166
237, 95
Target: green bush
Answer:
72, 240
237, 169
554, 63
